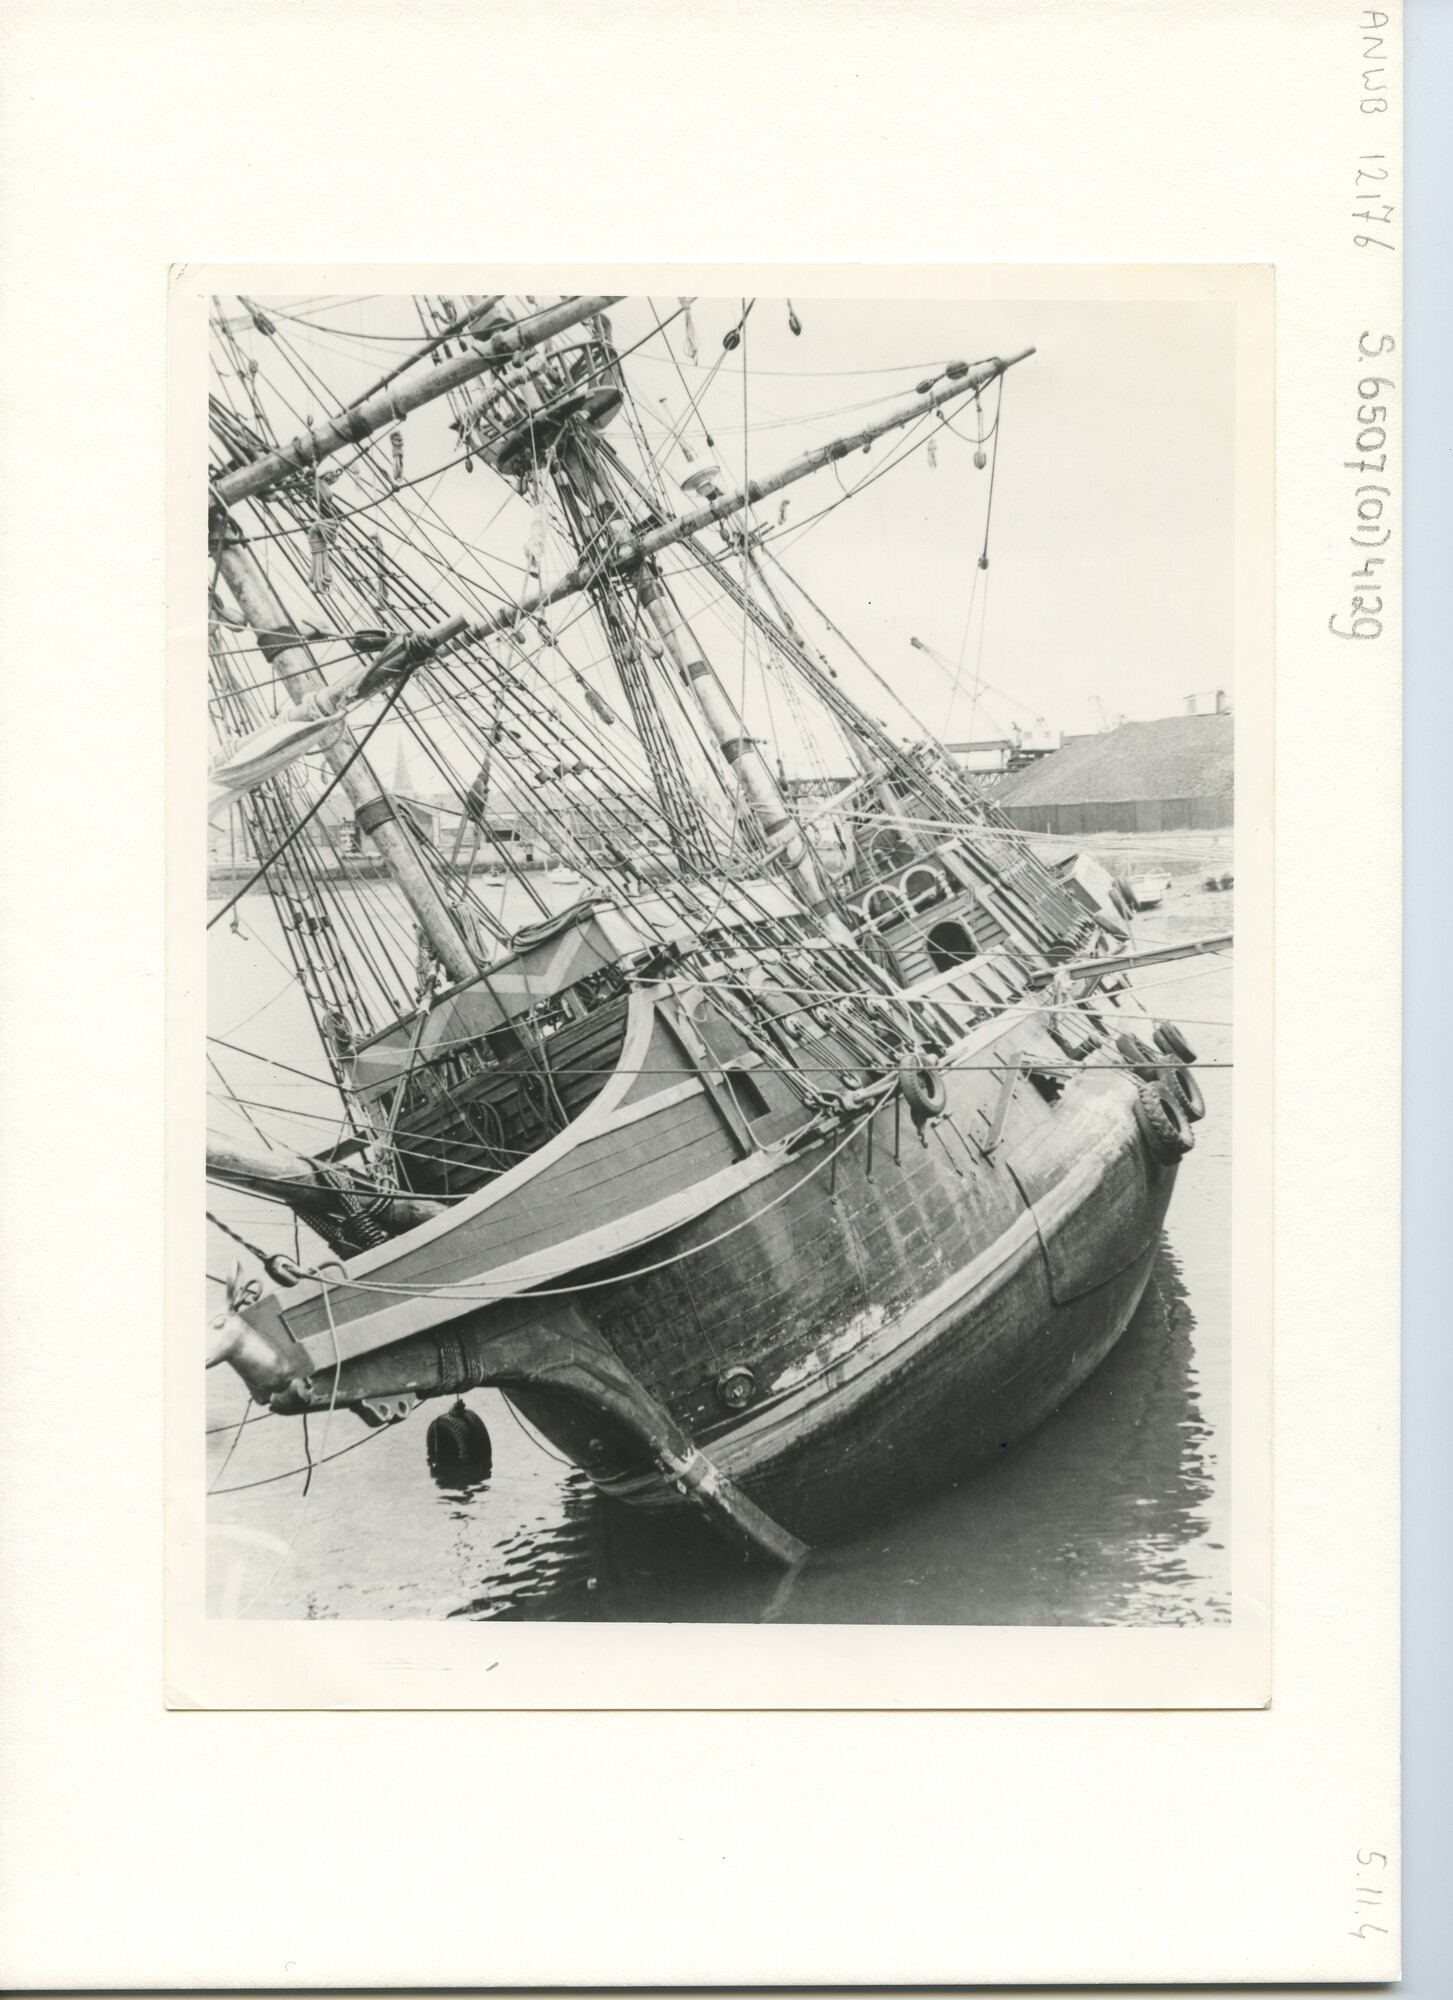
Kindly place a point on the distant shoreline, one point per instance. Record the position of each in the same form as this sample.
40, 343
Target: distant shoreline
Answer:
1180, 851
222, 877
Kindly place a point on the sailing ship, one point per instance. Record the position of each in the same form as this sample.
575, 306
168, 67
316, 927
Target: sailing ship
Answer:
818, 1146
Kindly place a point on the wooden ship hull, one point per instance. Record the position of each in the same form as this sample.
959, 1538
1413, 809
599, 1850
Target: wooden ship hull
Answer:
789, 1329
929, 1337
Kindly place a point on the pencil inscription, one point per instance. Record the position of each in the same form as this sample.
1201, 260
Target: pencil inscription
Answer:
1369, 1891
1374, 62
1370, 531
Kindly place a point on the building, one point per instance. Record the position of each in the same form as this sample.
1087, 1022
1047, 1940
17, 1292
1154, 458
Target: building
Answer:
1144, 777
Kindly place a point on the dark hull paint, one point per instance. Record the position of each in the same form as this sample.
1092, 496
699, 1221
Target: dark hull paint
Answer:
968, 1398
902, 1327
904, 1303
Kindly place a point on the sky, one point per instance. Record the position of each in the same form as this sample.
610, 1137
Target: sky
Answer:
1109, 589
1111, 537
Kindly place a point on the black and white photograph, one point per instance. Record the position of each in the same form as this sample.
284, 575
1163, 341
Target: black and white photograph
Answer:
721, 898
705, 968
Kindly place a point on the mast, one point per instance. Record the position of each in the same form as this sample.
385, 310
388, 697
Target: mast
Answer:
778, 826
820, 455
631, 551
390, 404
764, 797
586, 495
775, 817
373, 810
630, 556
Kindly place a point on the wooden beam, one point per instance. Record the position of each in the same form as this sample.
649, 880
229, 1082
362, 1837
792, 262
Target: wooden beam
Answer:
266, 613
823, 454
1001, 1109
294, 1179
713, 1077
1130, 961
389, 405
630, 552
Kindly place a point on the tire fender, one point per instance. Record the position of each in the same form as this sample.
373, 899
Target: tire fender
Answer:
923, 1092
1169, 1037
1165, 1126
1144, 1061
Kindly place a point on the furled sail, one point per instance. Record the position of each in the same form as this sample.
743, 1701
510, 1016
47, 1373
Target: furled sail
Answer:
265, 752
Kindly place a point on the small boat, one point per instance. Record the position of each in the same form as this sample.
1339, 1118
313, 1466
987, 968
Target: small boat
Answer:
1149, 890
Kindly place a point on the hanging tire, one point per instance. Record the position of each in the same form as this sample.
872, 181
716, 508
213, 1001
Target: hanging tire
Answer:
1189, 1092
1164, 1125
1147, 1063
923, 1092
458, 1446
1169, 1037
1124, 902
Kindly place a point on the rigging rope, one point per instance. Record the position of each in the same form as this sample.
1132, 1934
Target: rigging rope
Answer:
236, 1435
984, 562
308, 1482
745, 589
312, 811
272, 1479
474, 449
